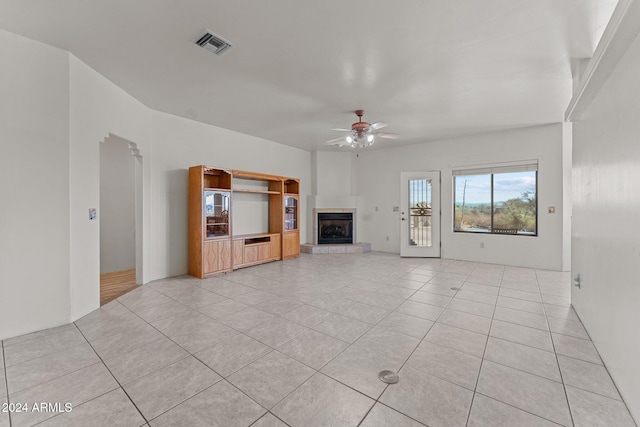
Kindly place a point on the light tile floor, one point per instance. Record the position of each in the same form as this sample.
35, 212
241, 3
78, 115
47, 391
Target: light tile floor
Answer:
301, 343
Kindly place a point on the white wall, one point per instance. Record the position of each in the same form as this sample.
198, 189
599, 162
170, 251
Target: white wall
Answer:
56, 111
179, 143
567, 190
377, 182
333, 175
331, 184
98, 108
606, 202
117, 206
34, 186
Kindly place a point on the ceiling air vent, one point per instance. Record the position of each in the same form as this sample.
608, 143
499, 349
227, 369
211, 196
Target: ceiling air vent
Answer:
213, 43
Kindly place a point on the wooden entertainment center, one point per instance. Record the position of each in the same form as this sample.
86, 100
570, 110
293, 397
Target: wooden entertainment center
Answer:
213, 247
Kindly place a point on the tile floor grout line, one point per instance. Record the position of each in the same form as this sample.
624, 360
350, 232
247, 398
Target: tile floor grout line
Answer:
549, 331
395, 410
525, 326
354, 342
48, 355
191, 397
222, 378
113, 376
83, 403
274, 415
6, 380
52, 379
519, 409
484, 352
553, 344
138, 316
56, 378
603, 365
377, 400
170, 339
375, 290
35, 338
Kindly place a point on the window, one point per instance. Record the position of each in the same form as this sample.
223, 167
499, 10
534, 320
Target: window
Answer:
498, 199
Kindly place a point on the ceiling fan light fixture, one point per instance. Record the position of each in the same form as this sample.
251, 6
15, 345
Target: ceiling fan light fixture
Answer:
362, 134
361, 139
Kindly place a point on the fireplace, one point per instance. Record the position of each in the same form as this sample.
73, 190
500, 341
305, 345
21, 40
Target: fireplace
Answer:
335, 230
335, 227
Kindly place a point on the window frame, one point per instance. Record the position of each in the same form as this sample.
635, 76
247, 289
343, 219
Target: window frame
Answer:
496, 170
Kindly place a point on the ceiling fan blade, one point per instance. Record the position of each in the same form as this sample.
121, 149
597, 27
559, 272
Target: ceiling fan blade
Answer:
342, 130
388, 135
336, 144
378, 125
333, 141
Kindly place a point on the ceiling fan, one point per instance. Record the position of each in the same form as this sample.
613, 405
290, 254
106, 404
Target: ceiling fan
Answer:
362, 134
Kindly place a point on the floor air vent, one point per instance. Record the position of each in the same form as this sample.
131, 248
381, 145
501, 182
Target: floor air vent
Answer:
213, 43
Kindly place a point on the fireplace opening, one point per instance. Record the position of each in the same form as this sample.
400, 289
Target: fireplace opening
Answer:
335, 228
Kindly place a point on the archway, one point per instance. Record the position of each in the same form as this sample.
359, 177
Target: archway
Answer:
120, 217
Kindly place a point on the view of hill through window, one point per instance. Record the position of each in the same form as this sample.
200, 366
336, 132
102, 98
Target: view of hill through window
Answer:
503, 203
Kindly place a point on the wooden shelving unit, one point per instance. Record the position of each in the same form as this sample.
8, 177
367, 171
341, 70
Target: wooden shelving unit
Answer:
212, 246
255, 249
291, 218
209, 221
243, 190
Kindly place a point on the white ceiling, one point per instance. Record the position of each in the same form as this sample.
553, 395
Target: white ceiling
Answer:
432, 69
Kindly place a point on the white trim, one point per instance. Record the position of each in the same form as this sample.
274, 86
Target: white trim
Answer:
623, 27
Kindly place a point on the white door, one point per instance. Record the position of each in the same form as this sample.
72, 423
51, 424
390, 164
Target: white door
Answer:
420, 214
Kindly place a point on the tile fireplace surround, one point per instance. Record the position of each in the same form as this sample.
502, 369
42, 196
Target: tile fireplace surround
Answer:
315, 248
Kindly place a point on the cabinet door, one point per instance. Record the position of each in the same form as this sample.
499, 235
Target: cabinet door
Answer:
250, 253
275, 246
224, 255
290, 212
238, 252
264, 251
210, 255
290, 245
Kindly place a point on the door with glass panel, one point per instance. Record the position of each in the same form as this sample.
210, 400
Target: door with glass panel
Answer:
420, 214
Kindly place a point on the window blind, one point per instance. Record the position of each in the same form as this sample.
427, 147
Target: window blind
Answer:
506, 167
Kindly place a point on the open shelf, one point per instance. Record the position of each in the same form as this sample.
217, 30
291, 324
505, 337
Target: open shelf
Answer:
271, 200
246, 190
291, 186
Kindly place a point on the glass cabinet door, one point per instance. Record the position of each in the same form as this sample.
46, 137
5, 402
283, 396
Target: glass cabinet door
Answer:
216, 213
290, 213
